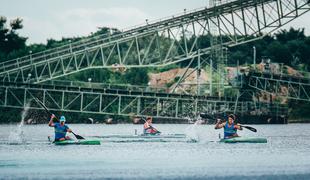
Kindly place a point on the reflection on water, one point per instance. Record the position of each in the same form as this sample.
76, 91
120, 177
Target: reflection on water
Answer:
285, 156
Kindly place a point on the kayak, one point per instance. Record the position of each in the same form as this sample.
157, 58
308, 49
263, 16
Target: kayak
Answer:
244, 140
149, 140
143, 136
78, 142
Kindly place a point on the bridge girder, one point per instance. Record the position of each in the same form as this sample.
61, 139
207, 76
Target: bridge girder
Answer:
295, 89
161, 43
113, 103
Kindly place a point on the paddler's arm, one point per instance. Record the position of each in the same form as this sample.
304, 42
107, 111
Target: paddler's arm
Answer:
146, 125
154, 129
149, 126
238, 127
219, 125
51, 123
68, 129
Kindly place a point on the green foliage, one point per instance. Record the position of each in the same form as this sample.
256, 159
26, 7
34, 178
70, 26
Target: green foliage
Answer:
11, 44
231, 92
280, 52
285, 36
96, 75
176, 79
290, 47
106, 31
137, 76
167, 68
16, 24
299, 110
134, 76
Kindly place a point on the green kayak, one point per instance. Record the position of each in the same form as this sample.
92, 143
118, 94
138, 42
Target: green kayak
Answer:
143, 136
78, 142
244, 140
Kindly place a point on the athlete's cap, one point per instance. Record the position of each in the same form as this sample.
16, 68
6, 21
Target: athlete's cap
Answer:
62, 119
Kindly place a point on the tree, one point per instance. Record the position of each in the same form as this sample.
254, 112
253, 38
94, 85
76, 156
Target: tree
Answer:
11, 44
293, 34
137, 76
279, 53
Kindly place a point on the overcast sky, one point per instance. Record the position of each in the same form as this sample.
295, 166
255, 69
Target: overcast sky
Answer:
44, 19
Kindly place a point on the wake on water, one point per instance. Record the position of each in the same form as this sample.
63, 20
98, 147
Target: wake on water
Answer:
17, 136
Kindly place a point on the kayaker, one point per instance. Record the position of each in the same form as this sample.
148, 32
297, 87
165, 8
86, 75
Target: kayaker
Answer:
230, 128
61, 128
148, 128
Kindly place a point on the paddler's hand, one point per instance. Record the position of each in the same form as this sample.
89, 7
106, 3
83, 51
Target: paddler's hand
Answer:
239, 125
53, 116
217, 125
51, 123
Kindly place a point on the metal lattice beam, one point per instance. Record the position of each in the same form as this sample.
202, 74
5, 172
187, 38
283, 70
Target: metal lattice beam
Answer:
90, 101
161, 43
291, 88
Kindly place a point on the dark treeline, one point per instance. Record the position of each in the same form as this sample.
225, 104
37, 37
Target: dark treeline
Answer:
290, 47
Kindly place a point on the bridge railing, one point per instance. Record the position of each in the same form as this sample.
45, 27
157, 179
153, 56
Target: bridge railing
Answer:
97, 85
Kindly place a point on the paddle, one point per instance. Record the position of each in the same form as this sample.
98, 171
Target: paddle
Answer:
248, 127
76, 135
157, 132
203, 115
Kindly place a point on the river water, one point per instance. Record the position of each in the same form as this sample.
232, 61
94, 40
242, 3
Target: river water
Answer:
285, 156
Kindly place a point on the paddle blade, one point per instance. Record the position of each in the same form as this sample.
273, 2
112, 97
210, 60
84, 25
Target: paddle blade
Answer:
77, 136
250, 128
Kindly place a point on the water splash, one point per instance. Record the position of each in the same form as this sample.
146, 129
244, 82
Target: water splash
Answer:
17, 135
192, 131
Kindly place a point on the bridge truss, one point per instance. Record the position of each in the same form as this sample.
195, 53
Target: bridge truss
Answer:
116, 102
160, 43
155, 44
290, 87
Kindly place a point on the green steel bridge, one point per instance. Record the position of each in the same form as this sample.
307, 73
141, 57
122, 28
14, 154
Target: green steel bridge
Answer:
127, 103
154, 44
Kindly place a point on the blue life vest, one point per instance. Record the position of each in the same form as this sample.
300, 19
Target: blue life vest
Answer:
229, 131
60, 131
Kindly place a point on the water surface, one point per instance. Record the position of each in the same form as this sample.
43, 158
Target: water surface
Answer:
285, 156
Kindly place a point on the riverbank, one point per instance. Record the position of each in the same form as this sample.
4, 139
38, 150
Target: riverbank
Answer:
301, 120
